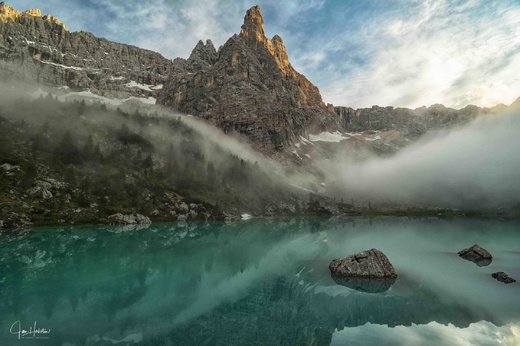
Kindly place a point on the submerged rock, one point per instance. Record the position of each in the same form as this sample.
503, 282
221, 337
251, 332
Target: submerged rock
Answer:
368, 285
367, 271
477, 255
503, 277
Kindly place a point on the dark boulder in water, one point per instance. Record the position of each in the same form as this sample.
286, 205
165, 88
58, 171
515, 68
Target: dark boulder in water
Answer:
367, 271
503, 277
477, 255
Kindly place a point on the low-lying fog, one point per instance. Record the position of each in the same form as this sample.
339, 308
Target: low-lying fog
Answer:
474, 166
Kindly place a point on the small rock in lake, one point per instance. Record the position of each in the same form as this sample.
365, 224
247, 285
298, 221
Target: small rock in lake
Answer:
477, 255
503, 277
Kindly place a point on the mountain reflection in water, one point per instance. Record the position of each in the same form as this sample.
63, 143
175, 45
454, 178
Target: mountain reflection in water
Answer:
263, 281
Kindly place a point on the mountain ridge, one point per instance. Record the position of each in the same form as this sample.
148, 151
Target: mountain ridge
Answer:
43, 50
247, 87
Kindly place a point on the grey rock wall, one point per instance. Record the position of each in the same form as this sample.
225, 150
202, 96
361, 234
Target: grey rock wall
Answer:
43, 50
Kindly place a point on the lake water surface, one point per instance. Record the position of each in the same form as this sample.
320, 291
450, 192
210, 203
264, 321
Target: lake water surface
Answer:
261, 281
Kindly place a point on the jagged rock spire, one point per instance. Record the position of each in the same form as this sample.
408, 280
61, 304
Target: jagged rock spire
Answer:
253, 27
7, 12
33, 12
206, 51
202, 55
252, 32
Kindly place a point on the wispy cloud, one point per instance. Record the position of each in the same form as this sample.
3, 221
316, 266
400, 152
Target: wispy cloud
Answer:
170, 27
420, 53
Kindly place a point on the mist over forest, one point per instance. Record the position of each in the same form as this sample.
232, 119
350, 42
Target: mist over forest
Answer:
83, 161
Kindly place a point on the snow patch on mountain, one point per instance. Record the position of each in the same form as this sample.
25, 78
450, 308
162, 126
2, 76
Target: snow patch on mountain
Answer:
334, 137
134, 84
62, 66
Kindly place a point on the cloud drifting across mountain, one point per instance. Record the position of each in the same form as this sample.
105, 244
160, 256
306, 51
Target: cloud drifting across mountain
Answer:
475, 166
360, 53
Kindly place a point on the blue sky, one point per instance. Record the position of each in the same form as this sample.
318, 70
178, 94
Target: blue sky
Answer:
358, 52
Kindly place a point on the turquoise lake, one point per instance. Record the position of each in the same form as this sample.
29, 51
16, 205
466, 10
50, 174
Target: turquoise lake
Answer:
258, 282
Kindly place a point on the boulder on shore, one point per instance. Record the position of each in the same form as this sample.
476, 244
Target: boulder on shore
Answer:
503, 277
477, 255
130, 219
367, 271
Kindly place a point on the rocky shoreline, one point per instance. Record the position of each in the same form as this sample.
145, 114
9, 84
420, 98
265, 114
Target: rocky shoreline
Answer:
23, 221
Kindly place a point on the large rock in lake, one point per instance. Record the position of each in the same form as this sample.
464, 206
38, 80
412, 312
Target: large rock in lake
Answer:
367, 271
477, 255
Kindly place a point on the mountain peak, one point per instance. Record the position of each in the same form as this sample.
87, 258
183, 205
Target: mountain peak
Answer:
249, 87
54, 20
252, 32
33, 12
7, 12
253, 27
201, 55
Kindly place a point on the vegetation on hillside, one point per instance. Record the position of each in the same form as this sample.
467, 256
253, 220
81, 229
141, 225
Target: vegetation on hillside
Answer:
79, 163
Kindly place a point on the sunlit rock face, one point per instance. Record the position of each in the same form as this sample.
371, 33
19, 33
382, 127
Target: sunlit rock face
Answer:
33, 12
8, 13
249, 87
42, 50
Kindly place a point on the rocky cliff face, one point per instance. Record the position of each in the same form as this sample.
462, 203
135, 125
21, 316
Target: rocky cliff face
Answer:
410, 122
42, 49
248, 86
